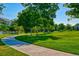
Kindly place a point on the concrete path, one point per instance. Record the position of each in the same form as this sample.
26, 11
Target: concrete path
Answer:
31, 49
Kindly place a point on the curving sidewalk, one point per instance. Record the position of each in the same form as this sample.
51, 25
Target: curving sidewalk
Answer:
31, 49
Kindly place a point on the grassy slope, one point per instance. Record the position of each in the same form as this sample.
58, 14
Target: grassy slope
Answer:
7, 51
67, 41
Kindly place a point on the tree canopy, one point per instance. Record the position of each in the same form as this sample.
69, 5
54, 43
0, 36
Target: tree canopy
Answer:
61, 27
74, 10
37, 14
1, 8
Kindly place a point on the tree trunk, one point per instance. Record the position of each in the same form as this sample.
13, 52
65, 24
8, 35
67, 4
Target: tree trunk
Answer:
31, 32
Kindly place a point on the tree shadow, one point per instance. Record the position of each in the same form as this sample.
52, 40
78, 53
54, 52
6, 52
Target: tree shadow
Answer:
12, 41
26, 39
1, 43
33, 39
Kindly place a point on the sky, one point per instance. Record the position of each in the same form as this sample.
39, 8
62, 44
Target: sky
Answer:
12, 9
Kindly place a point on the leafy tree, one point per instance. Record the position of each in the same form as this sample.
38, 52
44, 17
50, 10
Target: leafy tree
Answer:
2, 21
76, 26
28, 19
4, 24
55, 27
61, 27
74, 10
37, 14
4, 27
1, 8
69, 27
14, 26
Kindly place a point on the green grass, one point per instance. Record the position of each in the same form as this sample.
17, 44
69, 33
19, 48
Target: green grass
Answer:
67, 41
8, 51
6, 35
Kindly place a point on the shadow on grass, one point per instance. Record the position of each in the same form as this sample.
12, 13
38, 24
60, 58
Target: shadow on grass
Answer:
12, 41
33, 39
26, 38
1, 43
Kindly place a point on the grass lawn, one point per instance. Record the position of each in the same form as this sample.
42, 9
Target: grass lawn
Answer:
67, 41
8, 51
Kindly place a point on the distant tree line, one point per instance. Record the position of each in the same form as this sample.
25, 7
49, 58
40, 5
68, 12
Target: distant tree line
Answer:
12, 25
67, 27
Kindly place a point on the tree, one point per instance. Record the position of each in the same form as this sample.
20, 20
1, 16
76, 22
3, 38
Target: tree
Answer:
61, 27
3, 21
1, 8
28, 19
69, 27
4, 24
37, 14
55, 27
4, 27
76, 26
14, 27
74, 10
